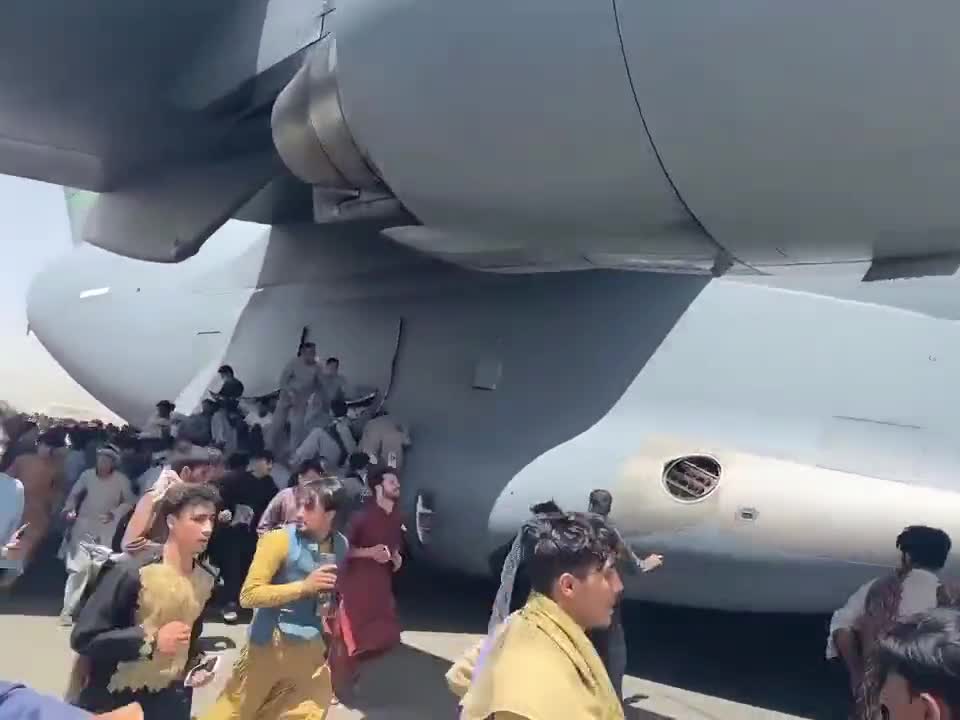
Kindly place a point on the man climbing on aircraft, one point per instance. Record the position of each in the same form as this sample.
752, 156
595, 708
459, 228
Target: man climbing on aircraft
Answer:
298, 382
876, 607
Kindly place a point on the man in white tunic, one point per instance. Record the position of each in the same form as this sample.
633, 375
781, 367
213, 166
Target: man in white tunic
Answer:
101, 496
876, 607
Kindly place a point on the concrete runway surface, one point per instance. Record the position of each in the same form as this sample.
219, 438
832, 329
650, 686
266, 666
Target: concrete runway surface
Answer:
683, 663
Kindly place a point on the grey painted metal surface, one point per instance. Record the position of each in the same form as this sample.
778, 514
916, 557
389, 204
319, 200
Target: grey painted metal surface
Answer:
605, 378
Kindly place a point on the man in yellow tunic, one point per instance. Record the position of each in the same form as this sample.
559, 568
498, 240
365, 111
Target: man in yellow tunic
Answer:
539, 664
283, 670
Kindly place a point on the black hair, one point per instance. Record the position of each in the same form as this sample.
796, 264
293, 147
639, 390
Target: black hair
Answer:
182, 495
546, 508
226, 369
327, 492
262, 455
601, 501
377, 474
333, 360
358, 461
924, 650
237, 461
307, 466
574, 543
927, 547
338, 407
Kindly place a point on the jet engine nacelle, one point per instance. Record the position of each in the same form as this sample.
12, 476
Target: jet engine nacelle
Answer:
681, 135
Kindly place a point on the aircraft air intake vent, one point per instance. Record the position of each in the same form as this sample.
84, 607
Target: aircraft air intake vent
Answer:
691, 478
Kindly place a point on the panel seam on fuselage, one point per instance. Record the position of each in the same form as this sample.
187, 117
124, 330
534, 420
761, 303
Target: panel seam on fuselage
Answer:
656, 152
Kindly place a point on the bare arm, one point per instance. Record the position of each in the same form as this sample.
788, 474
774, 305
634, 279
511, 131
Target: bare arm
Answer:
140, 522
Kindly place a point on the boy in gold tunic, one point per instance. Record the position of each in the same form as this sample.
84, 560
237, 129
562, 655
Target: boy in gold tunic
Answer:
139, 627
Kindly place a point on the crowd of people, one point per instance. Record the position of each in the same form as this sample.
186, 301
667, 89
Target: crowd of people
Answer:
205, 524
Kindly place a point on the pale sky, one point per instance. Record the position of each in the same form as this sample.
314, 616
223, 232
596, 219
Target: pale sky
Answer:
35, 229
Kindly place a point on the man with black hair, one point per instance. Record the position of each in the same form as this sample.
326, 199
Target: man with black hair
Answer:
540, 663
919, 667
332, 441
282, 509
246, 494
369, 612
231, 390
139, 625
283, 671
874, 609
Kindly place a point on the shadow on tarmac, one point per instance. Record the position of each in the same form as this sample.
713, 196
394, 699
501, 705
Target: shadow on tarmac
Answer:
767, 661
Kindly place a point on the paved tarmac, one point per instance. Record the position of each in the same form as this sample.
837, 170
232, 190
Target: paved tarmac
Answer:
683, 663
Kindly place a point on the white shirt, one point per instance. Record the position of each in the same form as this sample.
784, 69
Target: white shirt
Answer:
919, 595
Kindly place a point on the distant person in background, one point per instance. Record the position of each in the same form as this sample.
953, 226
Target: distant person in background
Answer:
75, 461
159, 424
298, 382
385, 439
40, 473
246, 494
918, 665
231, 390
22, 438
333, 383
282, 509
356, 492
332, 441
101, 497
259, 420
197, 427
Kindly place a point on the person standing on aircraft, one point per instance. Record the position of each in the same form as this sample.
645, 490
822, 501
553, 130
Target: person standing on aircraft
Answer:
611, 644
576, 586
139, 627
298, 382
876, 607
40, 473
333, 383
368, 618
919, 668
283, 670
93, 508
332, 441
246, 494
282, 509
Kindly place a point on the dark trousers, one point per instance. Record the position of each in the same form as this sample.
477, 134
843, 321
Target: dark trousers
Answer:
171, 703
232, 551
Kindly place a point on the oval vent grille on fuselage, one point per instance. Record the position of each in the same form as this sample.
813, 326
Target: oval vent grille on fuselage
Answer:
692, 477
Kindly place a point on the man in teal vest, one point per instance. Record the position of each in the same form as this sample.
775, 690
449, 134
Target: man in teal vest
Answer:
283, 670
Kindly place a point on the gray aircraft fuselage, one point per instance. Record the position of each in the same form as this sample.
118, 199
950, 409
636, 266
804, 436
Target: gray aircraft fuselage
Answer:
828, 416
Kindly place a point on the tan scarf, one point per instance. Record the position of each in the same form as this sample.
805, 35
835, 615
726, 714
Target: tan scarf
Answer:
542, 667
